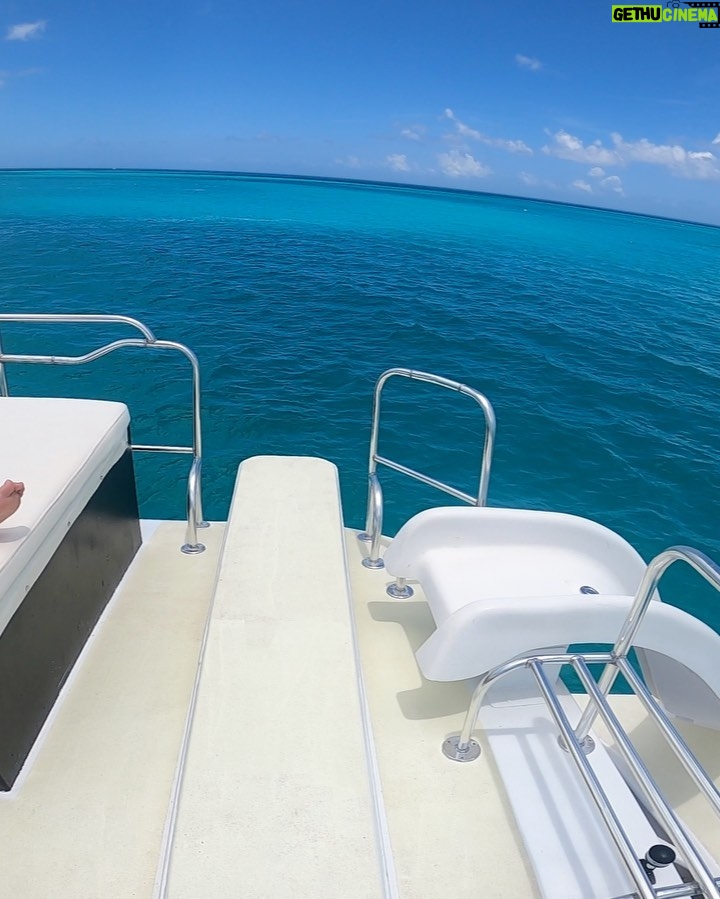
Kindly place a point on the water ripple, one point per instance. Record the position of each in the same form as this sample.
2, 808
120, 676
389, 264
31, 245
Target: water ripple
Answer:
596, 335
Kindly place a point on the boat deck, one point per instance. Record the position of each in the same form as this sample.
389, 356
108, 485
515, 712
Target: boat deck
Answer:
87, 814
275, 797
305, 774
447, 823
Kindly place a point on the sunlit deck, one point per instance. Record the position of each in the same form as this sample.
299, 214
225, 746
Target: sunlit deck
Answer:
305, 774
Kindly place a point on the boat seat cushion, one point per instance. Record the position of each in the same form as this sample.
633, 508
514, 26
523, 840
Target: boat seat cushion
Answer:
61, 449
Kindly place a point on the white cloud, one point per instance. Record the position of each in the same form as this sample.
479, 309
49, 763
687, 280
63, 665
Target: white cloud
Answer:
645, 151
512, 146
699, 165
613, 182
533, 181
528, 62
457, 164
413, 132
582, 185
351, 162
528, 179
567, 146
461, 127
463, 130
607, 182
25, 31
398, 162
8, 75
717, 139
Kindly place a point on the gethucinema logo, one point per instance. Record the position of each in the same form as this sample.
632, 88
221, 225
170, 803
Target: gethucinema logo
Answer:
705, 14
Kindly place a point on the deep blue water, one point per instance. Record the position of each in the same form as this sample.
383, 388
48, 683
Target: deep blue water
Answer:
596, 335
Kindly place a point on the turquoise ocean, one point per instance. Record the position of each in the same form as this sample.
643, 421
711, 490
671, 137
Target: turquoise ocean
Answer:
596, 335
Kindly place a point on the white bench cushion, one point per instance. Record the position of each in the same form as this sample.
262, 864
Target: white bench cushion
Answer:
62, 449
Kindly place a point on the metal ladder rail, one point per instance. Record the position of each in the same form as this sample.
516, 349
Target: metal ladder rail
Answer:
374, 514
194, 511
463, 748
706, 884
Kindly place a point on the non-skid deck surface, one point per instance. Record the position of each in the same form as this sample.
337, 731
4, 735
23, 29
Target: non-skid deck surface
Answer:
275, 798
450, 830
86, 817
691, 806
450, 823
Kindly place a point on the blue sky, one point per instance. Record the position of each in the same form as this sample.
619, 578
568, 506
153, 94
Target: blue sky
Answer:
546, 99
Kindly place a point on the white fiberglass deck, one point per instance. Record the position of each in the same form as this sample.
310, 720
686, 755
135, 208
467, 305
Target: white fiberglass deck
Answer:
280, 787
86, 816
452, 823
449, 828
275, 798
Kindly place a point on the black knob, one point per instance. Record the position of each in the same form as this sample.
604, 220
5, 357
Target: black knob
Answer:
657, 856
660, 856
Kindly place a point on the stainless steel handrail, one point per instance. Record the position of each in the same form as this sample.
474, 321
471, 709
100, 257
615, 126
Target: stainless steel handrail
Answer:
374, 516
375, 519
653, 573
195, 518
675, 741
612, 822
464, 748
674, 891
654, 798
3, 379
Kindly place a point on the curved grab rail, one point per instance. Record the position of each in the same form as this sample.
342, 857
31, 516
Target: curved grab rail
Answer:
194, 511
703, 564
3, 380
616, 659
195, 518
52, 317
463, 748
374, 516
374, 520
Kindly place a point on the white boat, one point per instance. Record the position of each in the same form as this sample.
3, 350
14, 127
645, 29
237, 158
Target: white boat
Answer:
279, 706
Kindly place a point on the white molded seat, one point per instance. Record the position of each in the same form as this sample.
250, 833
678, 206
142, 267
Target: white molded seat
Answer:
468, 553
503, 583
62, 449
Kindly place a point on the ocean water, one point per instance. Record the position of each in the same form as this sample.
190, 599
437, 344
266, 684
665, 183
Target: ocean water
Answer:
596, 335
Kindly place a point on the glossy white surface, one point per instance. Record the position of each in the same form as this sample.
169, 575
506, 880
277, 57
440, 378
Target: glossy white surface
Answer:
502, 583
61, 449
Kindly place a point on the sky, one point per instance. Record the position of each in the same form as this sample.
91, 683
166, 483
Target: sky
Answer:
550, 99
